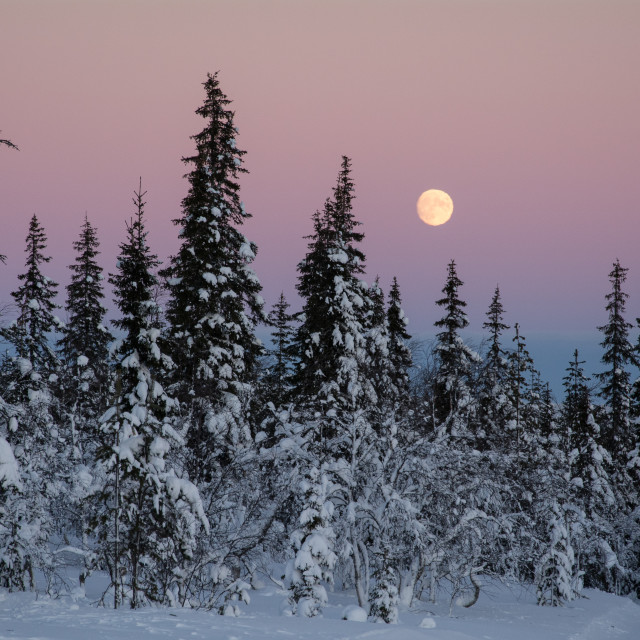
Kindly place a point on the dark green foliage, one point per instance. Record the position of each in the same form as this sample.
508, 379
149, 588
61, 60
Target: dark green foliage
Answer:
520, 369
328, 278
495, 409
454, 359
143, 540
84, 334
278, 376
618, 356
495, 362
210, 281
399, 353
134, 282
215, 297
34, 299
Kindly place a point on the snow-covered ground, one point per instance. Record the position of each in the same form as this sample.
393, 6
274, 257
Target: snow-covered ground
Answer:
502, 613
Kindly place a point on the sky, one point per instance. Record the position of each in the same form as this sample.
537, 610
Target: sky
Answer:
524, 111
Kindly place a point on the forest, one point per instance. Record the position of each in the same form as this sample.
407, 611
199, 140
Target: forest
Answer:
181, 457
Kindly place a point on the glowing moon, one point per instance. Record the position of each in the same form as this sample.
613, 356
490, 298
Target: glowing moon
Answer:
435, 207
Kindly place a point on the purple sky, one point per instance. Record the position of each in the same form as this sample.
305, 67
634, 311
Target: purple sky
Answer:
526, 112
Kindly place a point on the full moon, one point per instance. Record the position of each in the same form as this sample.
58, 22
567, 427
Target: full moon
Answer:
435, 207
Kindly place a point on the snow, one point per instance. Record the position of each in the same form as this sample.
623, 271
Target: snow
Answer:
9, 474
504, 613
428, 623
354, 613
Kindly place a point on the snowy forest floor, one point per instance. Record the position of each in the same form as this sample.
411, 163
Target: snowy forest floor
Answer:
502, 613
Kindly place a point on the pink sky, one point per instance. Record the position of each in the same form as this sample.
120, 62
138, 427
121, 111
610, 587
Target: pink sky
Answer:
526, 112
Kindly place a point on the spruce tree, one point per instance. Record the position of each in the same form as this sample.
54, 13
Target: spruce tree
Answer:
30, 429
330, 340
452, 397
495, 410
619, 436
278, 378
332, 321
147, 514
335, 395
520, 368
30, 333
84, 333
378, 363
590, 467
215, 297
618, 356
313, 544
399, 353
557, 579
82, 385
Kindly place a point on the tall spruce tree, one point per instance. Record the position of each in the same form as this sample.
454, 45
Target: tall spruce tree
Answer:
84, 334
590, 467
452, 397
30, 429
399, 352
618, 356
147, 514
620, 437
495, 410
332, 323
520, 368
331, 383
82, 386
215, 297
378, 363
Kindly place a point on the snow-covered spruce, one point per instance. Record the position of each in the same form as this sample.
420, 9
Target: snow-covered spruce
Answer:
214, 294
147, 515
313, 545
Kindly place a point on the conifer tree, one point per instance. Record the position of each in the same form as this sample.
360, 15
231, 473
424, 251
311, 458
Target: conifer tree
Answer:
399, 353
495, 409
332, 322
85, 334
82, 386
618, 356
378, 362
590, 465
214, 294
330, 340
333, 345
619, 436
279, 376
147, 514
313, 544
29, 334
84, 348
496, 364
29, 424
384, 605
557, 580
452, 397
520, 365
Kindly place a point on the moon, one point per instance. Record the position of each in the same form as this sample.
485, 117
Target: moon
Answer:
435, 207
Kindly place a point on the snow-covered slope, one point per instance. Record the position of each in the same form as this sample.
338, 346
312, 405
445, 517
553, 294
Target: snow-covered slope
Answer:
502, 613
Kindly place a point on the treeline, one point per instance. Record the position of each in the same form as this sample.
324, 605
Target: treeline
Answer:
184, 459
